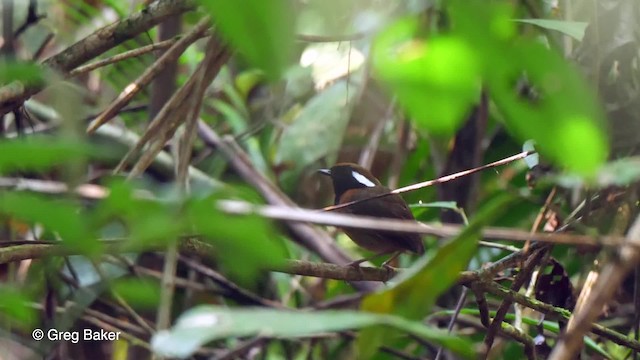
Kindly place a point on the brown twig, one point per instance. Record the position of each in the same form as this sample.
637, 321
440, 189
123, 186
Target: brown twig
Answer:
100, 41
232, 290
521, 278
149, 74
125, 55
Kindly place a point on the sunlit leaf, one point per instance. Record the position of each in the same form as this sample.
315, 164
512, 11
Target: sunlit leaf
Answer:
563, 115
436, 80
262, 31
207, 323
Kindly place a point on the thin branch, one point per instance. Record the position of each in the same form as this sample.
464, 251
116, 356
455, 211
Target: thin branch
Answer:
295, 214
232, 290
125, 55
98, 42
521, 278
439, 180
149, 74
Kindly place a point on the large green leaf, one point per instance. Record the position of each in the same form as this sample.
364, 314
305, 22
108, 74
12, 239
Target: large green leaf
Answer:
60, 216
262, 31
42, 153
249, 238
435, 80
145, 221
207, 323
563, 116
417, 289
14, 306
325, 117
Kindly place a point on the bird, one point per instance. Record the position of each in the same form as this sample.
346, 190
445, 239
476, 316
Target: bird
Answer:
352, 182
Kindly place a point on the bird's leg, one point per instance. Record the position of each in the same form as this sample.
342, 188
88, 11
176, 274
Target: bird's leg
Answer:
358, 262
393, 257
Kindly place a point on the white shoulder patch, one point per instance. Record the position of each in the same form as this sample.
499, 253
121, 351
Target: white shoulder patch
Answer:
362, 179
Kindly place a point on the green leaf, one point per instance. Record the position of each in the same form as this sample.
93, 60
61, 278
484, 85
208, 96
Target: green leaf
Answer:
435, 80
42, 153
203, 324
575, 29
565, 120
56, 215
139, 293
14, 306
415, 290
146, 221
563, 117
262, 31
249, 238
325, 116
30, 74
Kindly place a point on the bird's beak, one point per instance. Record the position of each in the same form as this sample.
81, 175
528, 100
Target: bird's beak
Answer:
325, 172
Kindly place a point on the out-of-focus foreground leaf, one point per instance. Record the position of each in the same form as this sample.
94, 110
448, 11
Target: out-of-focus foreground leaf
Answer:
563, 116
207, 323
43, 153
262, 31
436, 79
57, 215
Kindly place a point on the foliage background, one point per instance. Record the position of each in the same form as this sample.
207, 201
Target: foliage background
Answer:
138, 208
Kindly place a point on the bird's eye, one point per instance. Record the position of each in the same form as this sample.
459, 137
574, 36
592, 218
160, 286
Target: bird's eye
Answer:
362, 179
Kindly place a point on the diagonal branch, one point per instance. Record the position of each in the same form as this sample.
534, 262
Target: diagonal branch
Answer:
100, 41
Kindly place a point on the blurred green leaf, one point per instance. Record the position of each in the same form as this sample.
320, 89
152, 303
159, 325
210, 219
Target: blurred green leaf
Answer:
451, 205
415, 290
436, 79
139, 293
203, 324
30, 74
620, 172
562, 115
262, 31
318, 129
58, 215
14, 306
147, 221
245, 244
38, 153
575, 29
